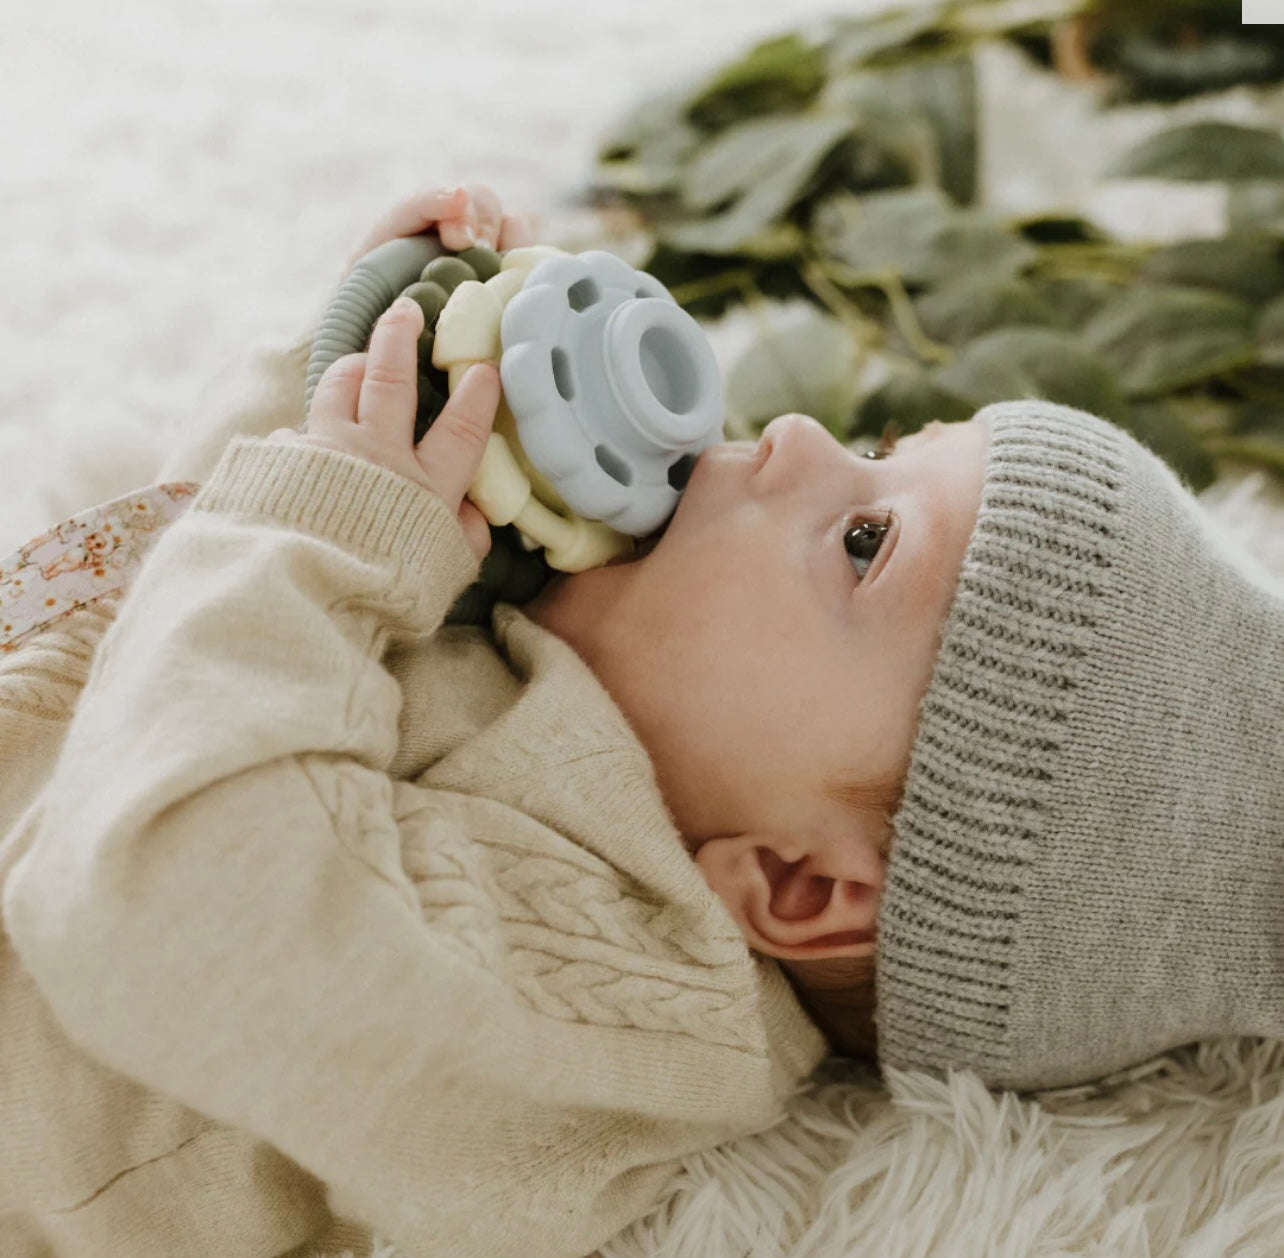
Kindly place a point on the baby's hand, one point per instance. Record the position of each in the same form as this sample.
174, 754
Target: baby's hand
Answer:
463, 217
364, 405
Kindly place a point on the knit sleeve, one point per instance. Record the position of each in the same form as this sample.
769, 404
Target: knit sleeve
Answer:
211, 902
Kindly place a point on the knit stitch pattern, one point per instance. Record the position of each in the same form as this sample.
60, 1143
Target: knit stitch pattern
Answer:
45, 677
573, 944
1087, 864
995, 715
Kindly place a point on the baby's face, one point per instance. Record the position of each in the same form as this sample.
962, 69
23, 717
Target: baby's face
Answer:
761, 660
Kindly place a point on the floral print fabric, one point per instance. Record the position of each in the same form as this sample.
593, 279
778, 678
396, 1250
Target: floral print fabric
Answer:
92, 554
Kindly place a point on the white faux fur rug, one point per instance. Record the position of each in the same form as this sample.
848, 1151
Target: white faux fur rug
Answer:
180, 180
1188, 1161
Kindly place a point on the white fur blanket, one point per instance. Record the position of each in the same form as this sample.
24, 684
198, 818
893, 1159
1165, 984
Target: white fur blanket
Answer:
180, 180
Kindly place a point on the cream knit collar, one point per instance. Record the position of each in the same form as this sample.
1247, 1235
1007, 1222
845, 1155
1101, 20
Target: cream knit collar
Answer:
595, 769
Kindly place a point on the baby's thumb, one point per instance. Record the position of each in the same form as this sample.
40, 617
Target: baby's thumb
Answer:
476, 528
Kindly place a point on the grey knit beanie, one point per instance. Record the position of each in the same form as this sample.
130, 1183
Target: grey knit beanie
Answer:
1088, 862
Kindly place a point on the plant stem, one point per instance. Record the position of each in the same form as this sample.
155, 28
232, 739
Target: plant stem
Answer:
1260, 450
865, 331
1090, 260
889, 283
727, 281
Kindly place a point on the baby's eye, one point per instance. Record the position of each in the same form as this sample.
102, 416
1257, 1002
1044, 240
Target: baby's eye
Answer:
862, 540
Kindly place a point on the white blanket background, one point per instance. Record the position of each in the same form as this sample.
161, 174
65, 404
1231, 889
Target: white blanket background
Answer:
180, 179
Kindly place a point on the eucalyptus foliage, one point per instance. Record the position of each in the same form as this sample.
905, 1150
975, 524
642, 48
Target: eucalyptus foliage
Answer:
840, 167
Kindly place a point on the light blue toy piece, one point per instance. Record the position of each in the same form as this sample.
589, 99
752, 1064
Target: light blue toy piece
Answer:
614, 387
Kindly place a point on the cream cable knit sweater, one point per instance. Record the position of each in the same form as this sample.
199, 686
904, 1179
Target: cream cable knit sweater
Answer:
321, 893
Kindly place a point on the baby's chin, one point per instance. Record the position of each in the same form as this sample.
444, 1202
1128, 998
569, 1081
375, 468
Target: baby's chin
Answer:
575, 605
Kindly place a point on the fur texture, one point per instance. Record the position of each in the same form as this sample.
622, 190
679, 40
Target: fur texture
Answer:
1184, 1159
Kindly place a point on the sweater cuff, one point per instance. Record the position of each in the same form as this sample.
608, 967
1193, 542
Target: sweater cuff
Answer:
346, 500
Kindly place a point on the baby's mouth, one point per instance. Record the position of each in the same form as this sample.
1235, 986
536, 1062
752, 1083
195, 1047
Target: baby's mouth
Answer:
648, 544
641, 548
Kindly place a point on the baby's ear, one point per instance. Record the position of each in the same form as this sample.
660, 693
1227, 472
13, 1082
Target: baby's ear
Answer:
799, 900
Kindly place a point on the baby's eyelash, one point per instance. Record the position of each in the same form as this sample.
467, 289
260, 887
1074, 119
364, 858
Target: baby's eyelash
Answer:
886, 441
862, 538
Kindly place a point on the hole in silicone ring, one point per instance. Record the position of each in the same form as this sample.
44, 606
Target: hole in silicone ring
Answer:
680, 472
668, 368
614, 466
562, 374
582, 295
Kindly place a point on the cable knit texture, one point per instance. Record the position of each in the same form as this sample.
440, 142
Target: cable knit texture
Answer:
324, 920
1089, 853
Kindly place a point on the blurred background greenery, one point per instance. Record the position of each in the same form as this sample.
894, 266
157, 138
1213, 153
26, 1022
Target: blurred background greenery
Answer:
836, 170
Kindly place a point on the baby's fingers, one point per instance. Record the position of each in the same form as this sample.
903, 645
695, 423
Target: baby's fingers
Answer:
478, 222
389, 384
411, 217
516, 232
451, 450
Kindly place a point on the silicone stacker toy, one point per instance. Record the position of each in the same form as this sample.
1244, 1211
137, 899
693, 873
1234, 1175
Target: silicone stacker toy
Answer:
610, 392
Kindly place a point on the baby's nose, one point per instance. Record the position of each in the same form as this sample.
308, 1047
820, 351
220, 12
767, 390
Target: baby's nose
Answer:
793, 441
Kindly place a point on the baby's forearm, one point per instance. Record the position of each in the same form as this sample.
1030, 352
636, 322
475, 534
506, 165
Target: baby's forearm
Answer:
212, 901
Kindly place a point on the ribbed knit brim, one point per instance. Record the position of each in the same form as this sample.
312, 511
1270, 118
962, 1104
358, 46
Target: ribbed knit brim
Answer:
1064, 855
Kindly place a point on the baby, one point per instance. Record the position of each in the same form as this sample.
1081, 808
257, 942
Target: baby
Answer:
331, 920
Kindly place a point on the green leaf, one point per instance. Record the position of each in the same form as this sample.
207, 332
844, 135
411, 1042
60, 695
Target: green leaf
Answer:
1204, 150
1076, 300
1034, 362
1256, 203
1246, 265
1270, 333
808, 363
778, 76
645, 149
857, 41
911, 399
1160, 339
1165, 431
965, 308
1260, 418
1259, 381
652, 172
758, 170
738, 231
918, 235
1257, 436
783, 152
653, 115
1002, 17
923, 113
888, 149
1264, 450
1156, 68
1201, 412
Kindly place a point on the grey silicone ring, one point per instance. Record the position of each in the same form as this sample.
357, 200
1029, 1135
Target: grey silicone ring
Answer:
369, 289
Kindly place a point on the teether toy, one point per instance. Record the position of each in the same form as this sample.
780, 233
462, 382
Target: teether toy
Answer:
610, 391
